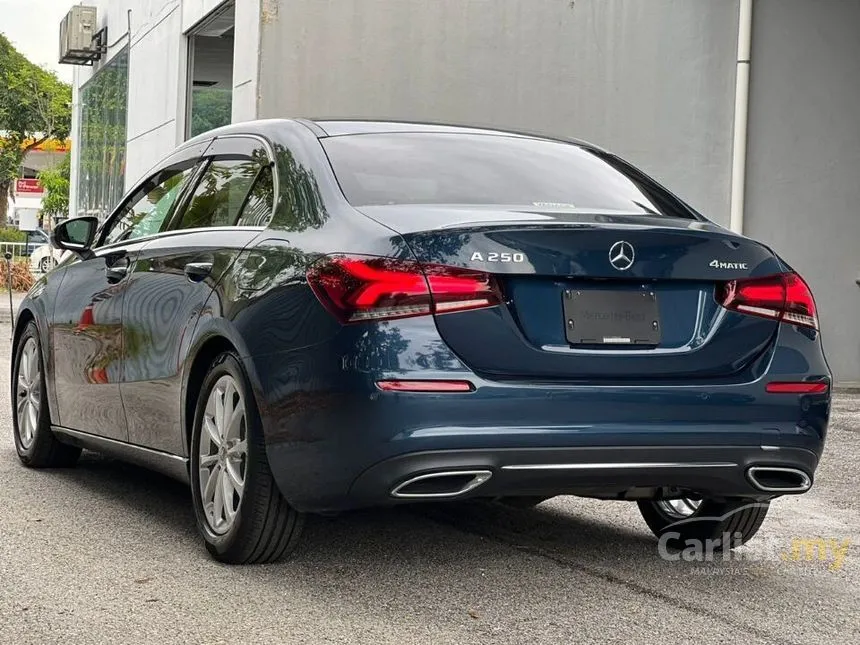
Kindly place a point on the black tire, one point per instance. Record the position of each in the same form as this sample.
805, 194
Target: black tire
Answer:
46, 264
739, 519
45, 450
266, 527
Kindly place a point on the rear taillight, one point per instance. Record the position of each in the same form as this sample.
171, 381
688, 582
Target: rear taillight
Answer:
357, 288
784, 297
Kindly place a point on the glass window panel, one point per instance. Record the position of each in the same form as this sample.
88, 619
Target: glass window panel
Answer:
147, 211
102, 139
210, 108
220, 194
258, 208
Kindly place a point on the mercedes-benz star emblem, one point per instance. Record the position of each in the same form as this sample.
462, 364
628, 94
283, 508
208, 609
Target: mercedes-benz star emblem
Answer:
621, 255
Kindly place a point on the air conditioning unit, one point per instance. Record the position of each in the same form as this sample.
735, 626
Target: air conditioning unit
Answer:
81, 42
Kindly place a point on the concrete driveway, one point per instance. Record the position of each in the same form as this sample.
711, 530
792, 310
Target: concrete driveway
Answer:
107, 553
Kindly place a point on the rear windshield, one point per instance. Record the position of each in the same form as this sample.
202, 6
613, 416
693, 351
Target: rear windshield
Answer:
443, 168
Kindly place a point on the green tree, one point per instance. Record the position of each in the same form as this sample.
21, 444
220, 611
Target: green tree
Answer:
55, 181
210, 108
34, 106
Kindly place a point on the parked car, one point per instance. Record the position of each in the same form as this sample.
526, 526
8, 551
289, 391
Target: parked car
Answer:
305, 317
44, 258
35, 239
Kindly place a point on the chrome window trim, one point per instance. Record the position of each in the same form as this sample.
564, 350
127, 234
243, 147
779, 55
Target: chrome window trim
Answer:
178, 231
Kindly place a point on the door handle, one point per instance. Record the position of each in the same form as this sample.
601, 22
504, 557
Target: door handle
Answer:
198, 271
116, 268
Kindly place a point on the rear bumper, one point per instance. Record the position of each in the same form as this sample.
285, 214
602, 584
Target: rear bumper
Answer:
350, 450
335, 441
610, 472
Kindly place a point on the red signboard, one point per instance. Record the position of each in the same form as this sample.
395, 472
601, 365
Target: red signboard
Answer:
28, 187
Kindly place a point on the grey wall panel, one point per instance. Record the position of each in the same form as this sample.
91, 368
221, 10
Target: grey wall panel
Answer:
803, 167
652, 81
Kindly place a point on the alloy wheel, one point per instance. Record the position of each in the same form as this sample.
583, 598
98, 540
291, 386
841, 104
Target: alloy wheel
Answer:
223, 454
28, 393
680, 508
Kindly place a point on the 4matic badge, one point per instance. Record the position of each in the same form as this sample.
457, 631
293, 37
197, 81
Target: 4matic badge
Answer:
717, 264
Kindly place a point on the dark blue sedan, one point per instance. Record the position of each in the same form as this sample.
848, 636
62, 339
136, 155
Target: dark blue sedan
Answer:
306, 317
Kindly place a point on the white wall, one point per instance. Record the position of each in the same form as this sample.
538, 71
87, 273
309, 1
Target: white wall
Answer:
652, 81
246, 60
803, 163
158, 72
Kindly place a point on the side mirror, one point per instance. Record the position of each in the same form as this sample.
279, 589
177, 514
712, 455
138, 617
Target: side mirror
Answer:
75, 235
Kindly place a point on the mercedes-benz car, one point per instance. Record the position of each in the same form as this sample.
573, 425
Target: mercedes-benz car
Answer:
302, 316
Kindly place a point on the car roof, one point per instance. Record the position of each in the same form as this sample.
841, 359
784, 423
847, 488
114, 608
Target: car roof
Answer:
344, 127
324, 128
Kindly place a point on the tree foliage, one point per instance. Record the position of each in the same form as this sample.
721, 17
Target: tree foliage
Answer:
55, 182
34, 106
210, 108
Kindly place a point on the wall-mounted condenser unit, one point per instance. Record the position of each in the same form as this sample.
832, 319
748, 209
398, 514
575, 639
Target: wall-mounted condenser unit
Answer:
81, 42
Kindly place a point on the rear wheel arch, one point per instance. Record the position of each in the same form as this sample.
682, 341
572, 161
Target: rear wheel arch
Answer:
208, 351
25, 315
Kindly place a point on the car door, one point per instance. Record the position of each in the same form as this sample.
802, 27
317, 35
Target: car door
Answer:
87, 332
174, 276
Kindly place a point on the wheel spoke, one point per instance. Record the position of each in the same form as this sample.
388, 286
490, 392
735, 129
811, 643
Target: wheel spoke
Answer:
23, 402
209, 486
218, 497
31, 416
218, 394
227, 496
24, 422
211, 431
690, 505
233, 476
235, 422
207, 461
34, 366
227, 409
238, 450
24, 367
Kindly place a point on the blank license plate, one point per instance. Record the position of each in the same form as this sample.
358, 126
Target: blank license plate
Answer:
595, 317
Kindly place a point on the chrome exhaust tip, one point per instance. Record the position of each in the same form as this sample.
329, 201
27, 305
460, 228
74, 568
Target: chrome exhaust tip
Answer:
779, 479
449, 483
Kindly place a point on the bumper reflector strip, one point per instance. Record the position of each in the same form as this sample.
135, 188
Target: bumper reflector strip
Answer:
803, 387
425, 386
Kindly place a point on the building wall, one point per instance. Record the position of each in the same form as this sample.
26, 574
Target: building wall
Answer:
652, 81
157, 59
803, 165
158, 62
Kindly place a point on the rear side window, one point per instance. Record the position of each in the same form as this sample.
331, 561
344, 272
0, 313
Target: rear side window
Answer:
446, 168
221, 194
258, 206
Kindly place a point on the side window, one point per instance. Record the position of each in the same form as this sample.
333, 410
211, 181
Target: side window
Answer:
221, 193
258, 206
147, 210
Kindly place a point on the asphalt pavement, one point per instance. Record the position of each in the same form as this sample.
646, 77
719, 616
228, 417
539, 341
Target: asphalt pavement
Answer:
107, 553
